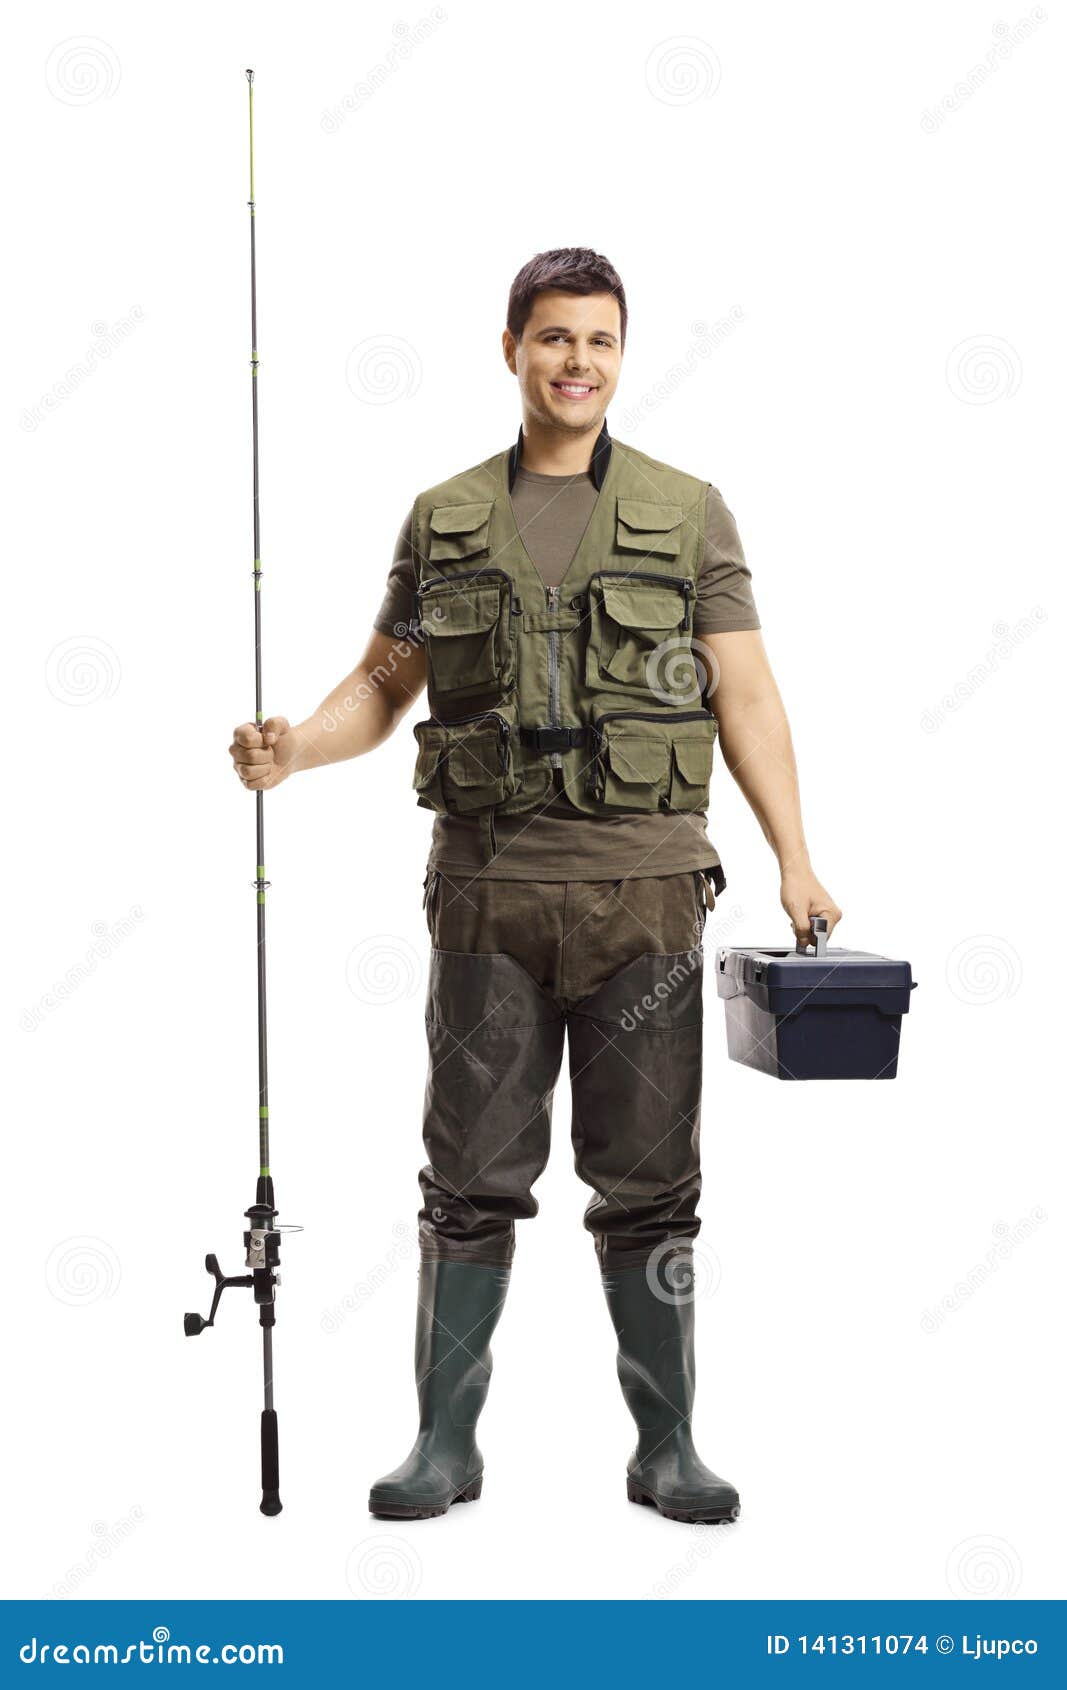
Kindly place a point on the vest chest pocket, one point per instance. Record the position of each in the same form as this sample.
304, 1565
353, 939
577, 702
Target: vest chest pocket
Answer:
644, 526
463, 767
640, 634
466, 628
458, 531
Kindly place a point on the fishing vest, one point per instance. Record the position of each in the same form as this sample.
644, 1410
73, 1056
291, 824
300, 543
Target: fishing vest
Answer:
595, 677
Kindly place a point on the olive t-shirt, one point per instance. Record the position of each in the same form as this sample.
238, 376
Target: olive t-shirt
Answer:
554, 841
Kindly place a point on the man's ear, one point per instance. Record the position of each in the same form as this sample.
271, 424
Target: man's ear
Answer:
509, 344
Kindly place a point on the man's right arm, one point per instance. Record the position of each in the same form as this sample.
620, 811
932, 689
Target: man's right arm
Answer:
361, 711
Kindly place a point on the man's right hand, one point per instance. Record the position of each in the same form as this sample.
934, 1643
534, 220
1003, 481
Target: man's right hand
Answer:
263, 760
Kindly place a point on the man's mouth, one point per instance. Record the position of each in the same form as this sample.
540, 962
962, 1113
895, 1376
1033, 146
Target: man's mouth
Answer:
573, 389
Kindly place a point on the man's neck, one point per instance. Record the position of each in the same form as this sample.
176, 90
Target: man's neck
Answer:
556, 451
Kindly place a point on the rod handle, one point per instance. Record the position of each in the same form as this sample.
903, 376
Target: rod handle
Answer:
268, 1442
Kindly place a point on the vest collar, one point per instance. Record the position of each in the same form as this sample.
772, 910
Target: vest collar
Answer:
598, 468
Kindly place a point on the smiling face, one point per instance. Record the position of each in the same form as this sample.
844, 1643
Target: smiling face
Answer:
567, 361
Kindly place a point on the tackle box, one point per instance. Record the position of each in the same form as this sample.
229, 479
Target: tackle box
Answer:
812, 1013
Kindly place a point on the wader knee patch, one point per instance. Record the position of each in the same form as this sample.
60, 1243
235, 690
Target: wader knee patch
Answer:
495, 1044
490, 991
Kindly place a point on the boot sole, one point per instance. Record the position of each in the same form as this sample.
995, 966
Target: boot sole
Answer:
716, 1515
427, 1511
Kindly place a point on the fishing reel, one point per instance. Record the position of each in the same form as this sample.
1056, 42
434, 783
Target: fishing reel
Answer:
262, 1245
263, 1240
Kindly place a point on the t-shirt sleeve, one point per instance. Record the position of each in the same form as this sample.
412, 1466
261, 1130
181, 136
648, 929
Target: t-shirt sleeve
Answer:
398, 604
724, 585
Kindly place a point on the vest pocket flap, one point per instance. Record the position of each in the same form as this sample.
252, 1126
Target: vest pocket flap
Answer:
638, 760
459, 519
474, 760
632, 604
644, 526
693, 757
644, 513
472, 610
458, 532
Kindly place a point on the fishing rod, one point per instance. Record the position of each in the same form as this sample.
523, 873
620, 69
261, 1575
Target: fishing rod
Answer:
262, 1239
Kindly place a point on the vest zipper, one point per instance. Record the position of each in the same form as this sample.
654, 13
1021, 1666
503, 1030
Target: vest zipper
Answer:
682, 582
465, 575
502, 723
651, 716
555, 757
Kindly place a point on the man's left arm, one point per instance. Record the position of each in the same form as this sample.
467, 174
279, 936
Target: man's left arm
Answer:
758, 749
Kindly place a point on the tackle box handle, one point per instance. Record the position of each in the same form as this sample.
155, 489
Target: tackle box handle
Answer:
819, 926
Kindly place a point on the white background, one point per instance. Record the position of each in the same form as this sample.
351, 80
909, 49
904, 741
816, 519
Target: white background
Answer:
884, 420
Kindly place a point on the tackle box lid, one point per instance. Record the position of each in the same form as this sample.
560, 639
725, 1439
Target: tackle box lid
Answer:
772, 968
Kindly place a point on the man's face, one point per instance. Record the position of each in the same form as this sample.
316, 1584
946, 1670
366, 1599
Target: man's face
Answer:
568, 359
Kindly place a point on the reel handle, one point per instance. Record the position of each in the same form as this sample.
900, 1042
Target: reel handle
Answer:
196, 1323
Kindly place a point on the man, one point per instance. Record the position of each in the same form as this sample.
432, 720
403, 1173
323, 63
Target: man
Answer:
575, 608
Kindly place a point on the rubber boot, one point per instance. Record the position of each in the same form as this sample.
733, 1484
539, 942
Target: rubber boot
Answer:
655, 1328
459, 1305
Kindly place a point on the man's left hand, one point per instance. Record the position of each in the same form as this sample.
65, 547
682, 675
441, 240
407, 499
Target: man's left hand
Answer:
802, 897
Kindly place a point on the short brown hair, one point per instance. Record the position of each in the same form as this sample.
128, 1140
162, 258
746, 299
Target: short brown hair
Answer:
569, 269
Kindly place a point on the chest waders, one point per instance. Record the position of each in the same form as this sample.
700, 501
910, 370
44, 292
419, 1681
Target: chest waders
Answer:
592, 686
262, 1240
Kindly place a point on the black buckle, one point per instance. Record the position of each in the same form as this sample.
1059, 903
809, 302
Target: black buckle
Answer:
552, 738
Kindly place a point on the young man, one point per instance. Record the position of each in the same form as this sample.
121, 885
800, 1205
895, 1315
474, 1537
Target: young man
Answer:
577, 610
